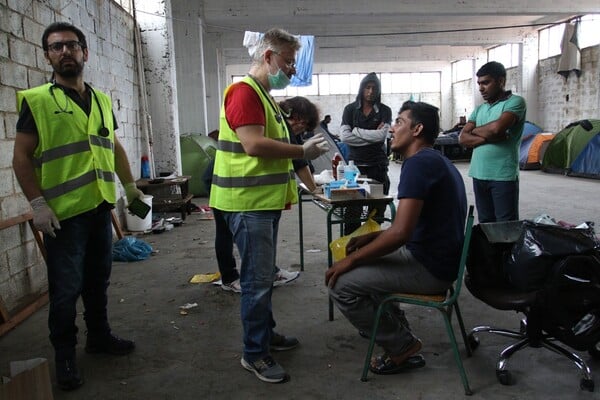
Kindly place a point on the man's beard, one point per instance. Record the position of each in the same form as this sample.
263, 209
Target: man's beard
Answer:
70, 70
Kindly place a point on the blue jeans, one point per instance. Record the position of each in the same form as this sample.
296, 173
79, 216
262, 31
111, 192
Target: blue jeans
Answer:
79, 262
255, 234
496, 200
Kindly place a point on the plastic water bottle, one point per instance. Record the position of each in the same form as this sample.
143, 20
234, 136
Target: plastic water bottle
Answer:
351, 172
145, 167
340, 170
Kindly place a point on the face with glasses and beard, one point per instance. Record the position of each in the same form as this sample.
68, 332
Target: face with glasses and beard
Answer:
66, 62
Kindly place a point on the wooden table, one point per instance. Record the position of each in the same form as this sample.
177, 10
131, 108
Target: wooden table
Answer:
169, 194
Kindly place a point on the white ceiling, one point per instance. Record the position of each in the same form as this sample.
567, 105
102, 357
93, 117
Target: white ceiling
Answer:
389, 30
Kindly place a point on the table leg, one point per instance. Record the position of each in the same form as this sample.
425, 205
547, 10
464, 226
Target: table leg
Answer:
329, 256
301, 230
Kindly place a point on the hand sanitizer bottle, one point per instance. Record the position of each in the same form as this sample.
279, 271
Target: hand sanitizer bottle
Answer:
351, 173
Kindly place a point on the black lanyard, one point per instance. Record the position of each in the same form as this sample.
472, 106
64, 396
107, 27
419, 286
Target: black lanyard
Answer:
104, 132
275, 107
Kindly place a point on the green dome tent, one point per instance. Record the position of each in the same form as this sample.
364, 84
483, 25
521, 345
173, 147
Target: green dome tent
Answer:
568, 144
197, 151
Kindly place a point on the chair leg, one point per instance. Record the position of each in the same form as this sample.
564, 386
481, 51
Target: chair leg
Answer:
372, 341
461, 368
585, 370
509, 351
498, 331
462, 330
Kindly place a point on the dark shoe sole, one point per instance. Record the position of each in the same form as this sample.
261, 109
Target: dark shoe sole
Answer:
283, 348
124, 352
67, 387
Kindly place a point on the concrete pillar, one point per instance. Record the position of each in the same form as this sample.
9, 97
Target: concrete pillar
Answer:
529, 75
154, 18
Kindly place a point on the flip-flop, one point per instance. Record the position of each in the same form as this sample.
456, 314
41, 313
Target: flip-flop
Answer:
384, 365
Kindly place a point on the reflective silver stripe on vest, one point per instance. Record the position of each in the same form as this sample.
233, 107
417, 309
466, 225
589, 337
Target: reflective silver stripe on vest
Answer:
102, 142
76, 183
70, 149
62, 151
250, 181
230, 147
235, 147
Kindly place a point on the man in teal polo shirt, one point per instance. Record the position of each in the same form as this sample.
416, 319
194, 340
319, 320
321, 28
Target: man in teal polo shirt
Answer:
494, 132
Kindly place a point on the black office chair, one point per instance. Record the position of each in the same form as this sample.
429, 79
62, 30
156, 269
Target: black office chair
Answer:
549, 315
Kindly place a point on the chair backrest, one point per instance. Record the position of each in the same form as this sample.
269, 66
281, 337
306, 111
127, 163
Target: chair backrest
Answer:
463, 256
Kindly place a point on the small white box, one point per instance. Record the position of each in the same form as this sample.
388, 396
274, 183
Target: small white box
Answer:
376, 189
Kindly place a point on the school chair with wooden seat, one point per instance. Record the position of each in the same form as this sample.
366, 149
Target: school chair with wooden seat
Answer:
444, 302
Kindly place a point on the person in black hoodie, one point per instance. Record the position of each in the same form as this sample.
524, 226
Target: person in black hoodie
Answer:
365, 126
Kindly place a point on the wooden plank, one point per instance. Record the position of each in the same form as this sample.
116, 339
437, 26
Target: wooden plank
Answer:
7, 223
23, 314
4, 316
39, 238
8, 322
116, 225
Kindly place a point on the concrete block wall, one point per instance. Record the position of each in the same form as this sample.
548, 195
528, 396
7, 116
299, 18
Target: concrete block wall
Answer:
562, 101
111, 68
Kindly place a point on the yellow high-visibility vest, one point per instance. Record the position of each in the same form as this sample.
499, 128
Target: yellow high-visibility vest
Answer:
74, 164
244, 183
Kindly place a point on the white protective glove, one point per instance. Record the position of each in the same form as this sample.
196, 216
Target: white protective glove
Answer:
44, 218
315, 146
132, 192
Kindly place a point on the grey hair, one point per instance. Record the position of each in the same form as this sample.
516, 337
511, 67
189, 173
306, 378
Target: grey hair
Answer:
275, 39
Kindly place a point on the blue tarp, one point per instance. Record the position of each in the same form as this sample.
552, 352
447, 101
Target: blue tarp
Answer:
304, 62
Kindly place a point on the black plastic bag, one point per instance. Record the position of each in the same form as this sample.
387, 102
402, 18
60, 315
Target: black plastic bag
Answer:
487, 256
539, 247
571, 301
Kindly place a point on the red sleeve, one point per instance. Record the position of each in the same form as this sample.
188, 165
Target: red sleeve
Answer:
243, 106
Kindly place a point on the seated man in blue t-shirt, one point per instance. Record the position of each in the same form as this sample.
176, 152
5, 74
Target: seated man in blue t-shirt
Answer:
418, 253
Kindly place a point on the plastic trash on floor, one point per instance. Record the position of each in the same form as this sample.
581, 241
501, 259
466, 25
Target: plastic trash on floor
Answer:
131, 248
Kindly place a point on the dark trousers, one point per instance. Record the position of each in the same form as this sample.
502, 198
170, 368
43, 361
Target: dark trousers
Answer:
79, 263
224, 248
380, 174
496, 200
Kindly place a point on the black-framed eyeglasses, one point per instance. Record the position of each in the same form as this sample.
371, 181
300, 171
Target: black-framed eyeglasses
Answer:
288, 64
72, 45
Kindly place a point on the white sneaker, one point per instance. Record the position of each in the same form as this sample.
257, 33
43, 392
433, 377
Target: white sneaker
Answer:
282, 277
232, 286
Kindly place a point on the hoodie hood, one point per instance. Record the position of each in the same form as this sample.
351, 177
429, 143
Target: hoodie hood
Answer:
371, 77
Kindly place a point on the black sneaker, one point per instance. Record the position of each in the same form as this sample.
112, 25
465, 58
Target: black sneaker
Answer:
67, 374
267, 370
110, 344
282, 343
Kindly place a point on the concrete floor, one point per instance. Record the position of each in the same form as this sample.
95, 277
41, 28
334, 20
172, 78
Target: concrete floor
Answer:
198, 355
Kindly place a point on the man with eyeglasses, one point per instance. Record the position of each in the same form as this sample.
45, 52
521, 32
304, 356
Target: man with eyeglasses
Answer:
253, 182
65, 158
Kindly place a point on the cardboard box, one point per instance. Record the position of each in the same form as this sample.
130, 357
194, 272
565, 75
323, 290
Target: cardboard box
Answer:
30, 380
348, 194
